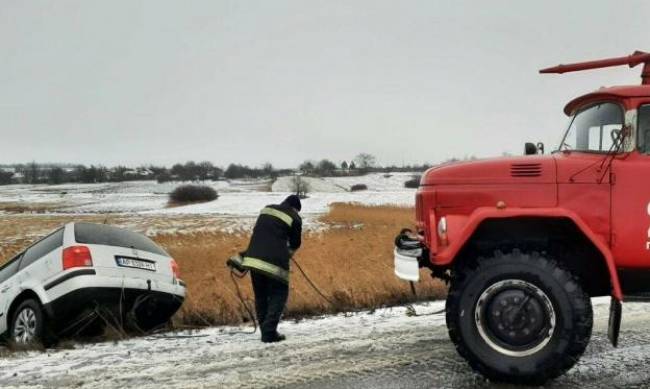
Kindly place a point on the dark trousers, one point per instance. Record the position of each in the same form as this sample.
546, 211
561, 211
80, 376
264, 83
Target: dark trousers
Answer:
270, 298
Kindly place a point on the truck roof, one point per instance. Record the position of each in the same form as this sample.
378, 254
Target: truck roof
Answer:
622, 91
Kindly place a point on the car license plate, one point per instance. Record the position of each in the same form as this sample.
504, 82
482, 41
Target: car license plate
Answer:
135, 263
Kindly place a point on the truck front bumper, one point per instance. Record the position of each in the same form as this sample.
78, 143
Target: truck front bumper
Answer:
407, 267
409, 253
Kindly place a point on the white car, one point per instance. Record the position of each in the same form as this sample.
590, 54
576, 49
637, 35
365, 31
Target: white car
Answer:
86, 270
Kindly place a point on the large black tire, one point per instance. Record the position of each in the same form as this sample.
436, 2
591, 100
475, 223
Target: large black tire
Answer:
27, 327
503, 340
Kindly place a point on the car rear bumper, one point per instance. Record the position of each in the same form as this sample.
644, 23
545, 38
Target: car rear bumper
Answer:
83, 278
76, 293
149, 308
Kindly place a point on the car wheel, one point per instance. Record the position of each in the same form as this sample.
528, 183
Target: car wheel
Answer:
27, 324
518, 317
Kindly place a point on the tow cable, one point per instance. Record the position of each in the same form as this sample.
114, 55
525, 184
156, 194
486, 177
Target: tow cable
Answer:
235, 273
311, 283
238, 271
408, 241
410, 309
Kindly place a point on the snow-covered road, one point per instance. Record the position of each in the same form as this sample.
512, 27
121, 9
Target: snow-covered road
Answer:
383, 349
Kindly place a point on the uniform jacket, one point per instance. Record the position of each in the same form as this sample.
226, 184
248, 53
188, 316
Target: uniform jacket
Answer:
277, 233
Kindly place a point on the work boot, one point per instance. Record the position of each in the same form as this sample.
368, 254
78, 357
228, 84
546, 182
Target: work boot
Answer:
273, 338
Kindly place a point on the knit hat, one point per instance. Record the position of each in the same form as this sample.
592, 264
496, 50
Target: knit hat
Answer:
293, 201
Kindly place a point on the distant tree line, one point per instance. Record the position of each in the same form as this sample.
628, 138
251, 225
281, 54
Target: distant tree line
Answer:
35, 173
363, 163
38, 173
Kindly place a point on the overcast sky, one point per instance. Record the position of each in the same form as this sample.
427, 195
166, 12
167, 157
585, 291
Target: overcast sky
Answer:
131, 82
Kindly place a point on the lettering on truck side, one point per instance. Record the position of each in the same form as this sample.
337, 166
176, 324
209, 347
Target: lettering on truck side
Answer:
647, 244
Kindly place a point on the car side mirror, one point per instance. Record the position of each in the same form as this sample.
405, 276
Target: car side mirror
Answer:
530, 149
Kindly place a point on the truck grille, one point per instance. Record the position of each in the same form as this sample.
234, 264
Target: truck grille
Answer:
526, 169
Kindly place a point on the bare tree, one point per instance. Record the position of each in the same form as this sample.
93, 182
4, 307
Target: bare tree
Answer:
55, 175
299, 186
204, 170
325, 167
307, 167
365, 161
5, 177
268, 170
31, 173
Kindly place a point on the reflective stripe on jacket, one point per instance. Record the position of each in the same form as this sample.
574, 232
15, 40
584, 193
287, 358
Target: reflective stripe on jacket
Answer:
269, 269
279, 214
277, 233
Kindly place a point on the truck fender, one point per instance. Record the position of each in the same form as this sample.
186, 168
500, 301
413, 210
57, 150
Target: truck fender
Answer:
461, 228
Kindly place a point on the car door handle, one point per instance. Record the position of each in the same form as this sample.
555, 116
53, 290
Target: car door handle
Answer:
6, 288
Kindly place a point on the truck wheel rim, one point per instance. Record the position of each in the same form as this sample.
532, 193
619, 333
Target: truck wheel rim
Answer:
515, 318
25, 326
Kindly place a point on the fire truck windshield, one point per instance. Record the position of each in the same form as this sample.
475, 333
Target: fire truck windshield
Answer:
593, 129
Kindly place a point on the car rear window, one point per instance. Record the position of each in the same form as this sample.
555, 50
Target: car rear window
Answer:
42, 248
90, 233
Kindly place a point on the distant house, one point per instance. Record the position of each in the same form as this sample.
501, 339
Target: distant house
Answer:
11, 170
18, 176
144, 172
130, 173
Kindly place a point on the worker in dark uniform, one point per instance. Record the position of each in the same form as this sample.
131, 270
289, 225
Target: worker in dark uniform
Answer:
276, 237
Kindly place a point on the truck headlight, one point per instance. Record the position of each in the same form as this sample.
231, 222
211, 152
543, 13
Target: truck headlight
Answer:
442, 230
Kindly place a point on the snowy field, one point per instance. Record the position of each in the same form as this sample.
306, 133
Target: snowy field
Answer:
30, 211
381, 349
236, 197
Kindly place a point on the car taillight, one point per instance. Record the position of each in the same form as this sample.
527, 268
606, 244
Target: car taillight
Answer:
175, 270
77, 256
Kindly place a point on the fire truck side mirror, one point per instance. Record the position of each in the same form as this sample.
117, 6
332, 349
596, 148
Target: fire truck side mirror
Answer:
530, 148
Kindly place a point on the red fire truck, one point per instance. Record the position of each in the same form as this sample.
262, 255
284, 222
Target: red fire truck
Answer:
525, 242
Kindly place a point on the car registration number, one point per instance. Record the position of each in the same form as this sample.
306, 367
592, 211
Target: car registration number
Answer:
135, 263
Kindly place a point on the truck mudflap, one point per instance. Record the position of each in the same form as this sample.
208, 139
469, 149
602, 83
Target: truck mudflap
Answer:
614, 325
408, 253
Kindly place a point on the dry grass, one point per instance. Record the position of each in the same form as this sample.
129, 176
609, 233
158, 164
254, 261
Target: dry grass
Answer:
13, 207
352, 264
351, 261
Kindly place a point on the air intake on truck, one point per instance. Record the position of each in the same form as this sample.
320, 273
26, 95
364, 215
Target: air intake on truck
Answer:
526, 169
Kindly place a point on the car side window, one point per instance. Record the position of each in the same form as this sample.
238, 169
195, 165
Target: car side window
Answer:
9, 269
42, 248
643, 129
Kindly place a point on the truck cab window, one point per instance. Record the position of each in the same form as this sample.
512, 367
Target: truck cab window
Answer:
643, 128
591, 128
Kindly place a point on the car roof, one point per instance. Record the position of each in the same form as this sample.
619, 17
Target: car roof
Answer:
613, 92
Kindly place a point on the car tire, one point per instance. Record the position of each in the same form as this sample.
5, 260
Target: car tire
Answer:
518, 317
28, 325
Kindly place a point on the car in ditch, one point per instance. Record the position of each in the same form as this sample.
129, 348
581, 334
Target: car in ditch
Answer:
525, 242
83, 275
